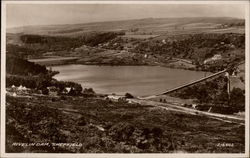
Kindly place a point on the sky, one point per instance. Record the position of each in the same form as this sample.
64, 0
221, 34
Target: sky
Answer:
49, 14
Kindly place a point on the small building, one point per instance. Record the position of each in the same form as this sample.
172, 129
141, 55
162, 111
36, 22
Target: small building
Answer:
66, 90
194, 106
116, 98
214, 58
52, 89
22, 88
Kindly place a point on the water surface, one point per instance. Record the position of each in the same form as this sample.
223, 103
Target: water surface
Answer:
137, 80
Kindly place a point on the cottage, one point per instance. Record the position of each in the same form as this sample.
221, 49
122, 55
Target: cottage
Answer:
164, 41
22, 88
68, 89
115, 98
214, 58
52, 89
217, 57
48, 53
14, 94
194, 106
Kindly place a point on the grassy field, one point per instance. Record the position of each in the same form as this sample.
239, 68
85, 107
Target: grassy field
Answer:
54, 61
113, 127
139, 36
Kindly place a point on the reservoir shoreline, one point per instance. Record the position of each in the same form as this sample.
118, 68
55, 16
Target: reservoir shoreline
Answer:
138, 80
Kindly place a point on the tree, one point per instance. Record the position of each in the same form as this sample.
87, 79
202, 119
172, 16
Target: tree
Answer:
128, 95
45, 91
237, 98
88, 91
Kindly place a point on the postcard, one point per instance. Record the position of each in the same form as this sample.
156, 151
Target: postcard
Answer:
125, 78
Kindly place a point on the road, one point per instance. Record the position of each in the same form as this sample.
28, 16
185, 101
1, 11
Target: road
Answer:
172, 107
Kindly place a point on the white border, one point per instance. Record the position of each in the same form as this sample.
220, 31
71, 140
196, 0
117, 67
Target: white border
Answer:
189, 155
3, 65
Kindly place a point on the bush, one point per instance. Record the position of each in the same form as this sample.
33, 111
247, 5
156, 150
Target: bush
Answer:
63, 97
128, 95
88, 91
45, 91
237, 98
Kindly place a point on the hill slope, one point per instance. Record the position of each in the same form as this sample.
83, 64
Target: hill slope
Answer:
141, 26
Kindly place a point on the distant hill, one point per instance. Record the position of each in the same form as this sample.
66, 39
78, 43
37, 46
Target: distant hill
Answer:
139, 26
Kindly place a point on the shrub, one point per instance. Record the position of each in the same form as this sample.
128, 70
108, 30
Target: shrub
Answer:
128, 95
88, 91
237, 98
45, 91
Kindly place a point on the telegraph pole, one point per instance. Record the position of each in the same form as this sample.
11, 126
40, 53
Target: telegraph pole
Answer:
228, 86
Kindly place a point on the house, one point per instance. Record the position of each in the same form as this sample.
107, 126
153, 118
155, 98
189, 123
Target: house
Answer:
48, 53
52, 89
164, 41
14, 94
194, 106
116, 98
22, 88
130, 101
68, 89
214, 58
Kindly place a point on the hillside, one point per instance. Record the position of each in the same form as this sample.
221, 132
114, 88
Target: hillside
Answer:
138, 26
105, 126
56, 113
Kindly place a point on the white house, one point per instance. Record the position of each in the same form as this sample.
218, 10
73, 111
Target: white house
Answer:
115, 97
214, 58
22, 88
164, 41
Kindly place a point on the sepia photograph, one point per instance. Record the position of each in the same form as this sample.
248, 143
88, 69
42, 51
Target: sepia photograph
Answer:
95, 78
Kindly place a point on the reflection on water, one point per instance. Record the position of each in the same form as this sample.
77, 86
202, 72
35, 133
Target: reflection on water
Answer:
137, 80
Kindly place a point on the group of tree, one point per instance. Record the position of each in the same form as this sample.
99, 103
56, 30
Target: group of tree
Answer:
19, 66
214, 92
235, 24
186, 46
93, 39
22, 72
196, 47
36, 45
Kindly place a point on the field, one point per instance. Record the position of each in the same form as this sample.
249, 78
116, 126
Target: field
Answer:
139, 36
105, 126
140, 26
54, 60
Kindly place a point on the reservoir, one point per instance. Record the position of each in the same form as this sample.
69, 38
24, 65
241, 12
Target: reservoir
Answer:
137, 80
